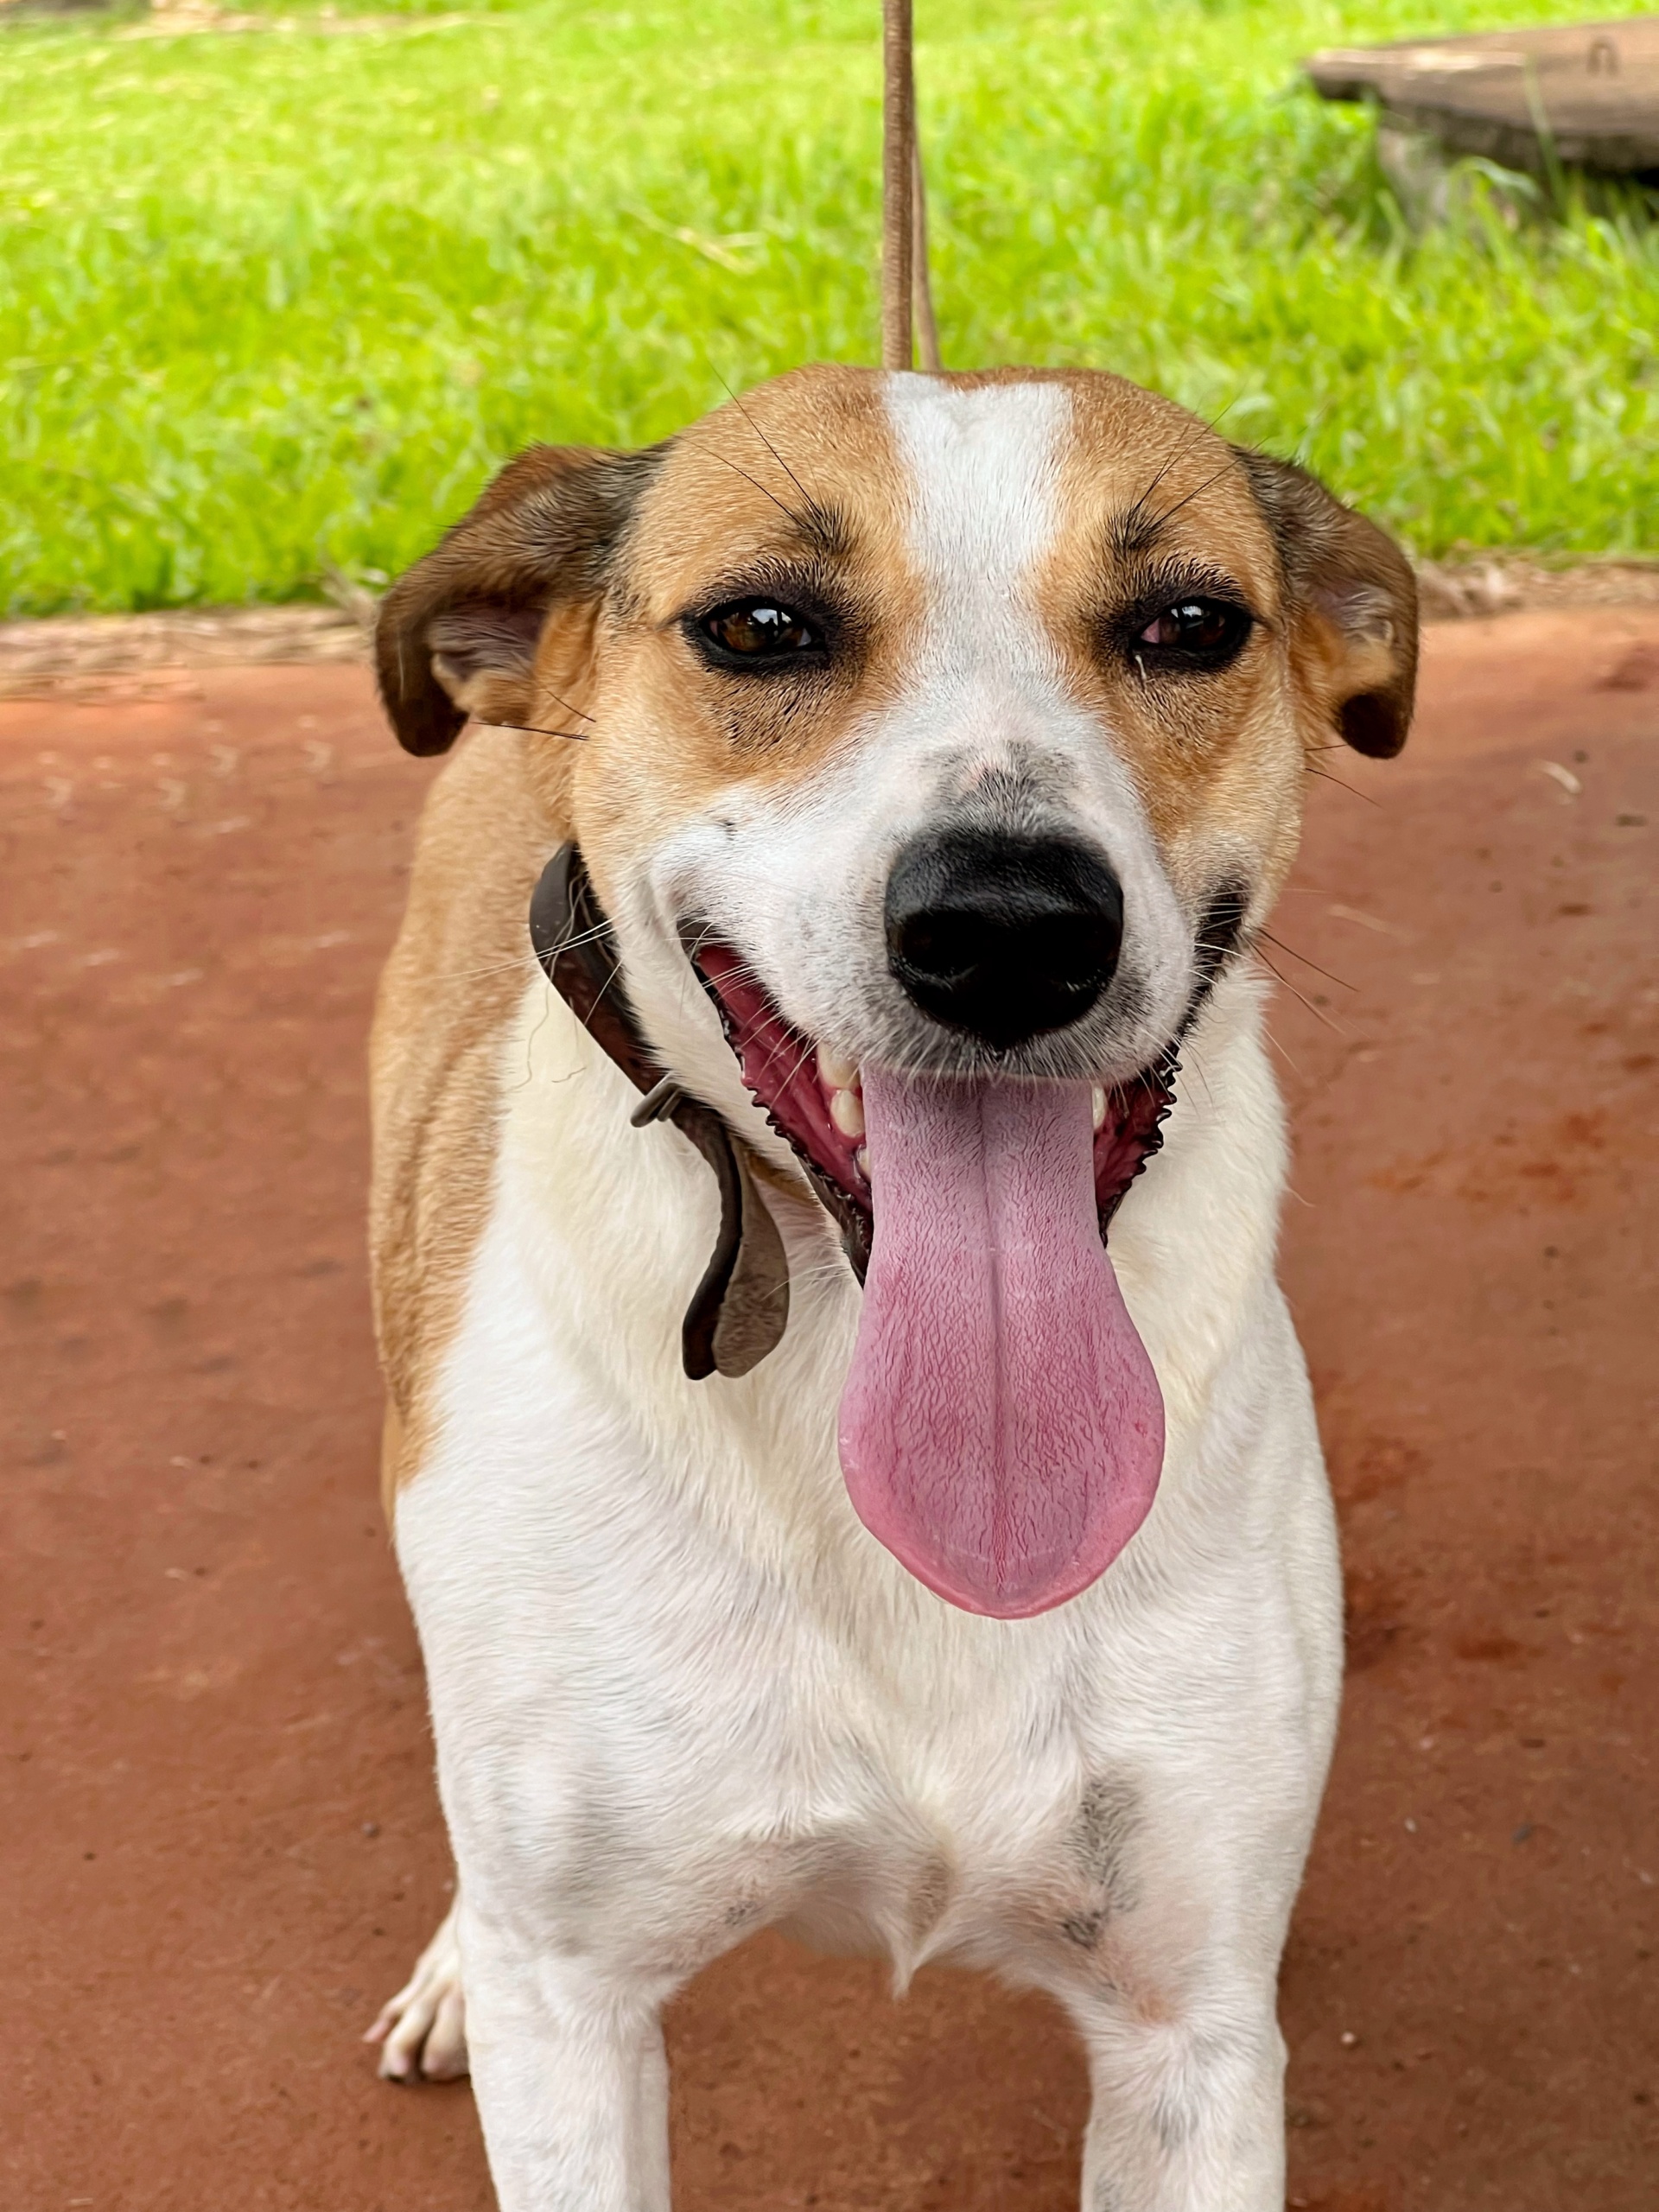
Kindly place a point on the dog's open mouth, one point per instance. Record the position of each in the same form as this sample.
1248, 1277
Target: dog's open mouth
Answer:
1001, 1429
815, 1101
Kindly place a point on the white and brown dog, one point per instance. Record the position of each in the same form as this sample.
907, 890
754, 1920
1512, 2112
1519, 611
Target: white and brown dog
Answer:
919, 1573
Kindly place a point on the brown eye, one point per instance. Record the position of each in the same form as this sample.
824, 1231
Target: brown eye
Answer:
758, 629
1193, 633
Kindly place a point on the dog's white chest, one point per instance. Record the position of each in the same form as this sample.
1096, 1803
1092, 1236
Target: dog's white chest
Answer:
667, 1712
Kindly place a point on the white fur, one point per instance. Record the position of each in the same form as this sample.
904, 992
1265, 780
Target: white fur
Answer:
680, 1693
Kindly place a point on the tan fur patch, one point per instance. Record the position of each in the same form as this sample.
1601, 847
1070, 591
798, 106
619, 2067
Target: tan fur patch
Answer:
456, 975
796, 492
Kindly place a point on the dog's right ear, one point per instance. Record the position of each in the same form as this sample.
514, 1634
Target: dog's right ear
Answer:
1353, 605
456, 634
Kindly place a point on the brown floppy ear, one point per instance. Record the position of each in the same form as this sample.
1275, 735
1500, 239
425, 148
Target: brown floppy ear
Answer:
1353, 600
457, 634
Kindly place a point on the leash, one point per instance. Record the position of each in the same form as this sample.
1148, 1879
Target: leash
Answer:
908, 320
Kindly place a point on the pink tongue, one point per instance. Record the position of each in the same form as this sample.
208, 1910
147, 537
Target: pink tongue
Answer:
1002, 1430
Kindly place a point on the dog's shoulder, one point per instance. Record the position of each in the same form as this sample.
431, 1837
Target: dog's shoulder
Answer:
459, 969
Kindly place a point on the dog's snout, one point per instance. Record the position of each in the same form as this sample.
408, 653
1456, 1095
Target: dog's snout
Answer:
1004, 937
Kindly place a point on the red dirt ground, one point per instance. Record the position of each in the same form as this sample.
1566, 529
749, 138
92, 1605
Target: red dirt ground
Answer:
219, 1847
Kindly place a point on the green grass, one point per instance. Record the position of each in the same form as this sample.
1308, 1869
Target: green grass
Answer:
276, 303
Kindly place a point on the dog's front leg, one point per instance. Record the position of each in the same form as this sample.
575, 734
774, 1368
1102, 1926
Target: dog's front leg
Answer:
570, 2076
1187, 2117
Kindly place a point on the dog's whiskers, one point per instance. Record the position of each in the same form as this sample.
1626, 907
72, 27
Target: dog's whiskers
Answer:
782, 506
1290, 951
812, 504
1326, 776
1318, 1013
537, 729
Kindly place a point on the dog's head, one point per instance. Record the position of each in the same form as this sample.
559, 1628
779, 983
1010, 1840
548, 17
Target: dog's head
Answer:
956, 728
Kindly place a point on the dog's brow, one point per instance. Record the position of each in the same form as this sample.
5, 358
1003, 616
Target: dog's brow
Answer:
825, 530
820, 534
788, 559
1137, 531
819, 523
766, 441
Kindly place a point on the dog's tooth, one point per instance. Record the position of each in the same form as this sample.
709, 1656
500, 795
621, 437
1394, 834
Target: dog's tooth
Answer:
861, 1161
847, 1112
1098, 1105
837, 1074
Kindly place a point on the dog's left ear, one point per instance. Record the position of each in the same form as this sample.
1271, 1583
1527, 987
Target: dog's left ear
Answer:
457, 634
1353, 601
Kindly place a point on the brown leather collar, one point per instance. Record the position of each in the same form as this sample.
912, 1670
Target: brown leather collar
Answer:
741, 1308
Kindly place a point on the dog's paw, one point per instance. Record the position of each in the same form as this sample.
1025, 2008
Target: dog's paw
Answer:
422, 2029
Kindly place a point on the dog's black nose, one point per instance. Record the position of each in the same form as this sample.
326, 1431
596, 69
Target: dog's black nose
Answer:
1004, 937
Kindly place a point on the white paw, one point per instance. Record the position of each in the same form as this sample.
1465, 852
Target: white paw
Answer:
422, 2029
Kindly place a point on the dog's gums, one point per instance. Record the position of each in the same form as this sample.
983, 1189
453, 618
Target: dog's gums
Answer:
786, 1074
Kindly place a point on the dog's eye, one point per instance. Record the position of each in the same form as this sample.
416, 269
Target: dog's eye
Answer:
1196, 633
758, 629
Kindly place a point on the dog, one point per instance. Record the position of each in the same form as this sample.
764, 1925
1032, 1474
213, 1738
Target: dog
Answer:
876, 791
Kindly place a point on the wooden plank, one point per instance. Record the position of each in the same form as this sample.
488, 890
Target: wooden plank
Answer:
1592, 89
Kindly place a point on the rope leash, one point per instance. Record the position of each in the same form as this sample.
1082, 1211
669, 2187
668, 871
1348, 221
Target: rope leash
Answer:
907, 321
